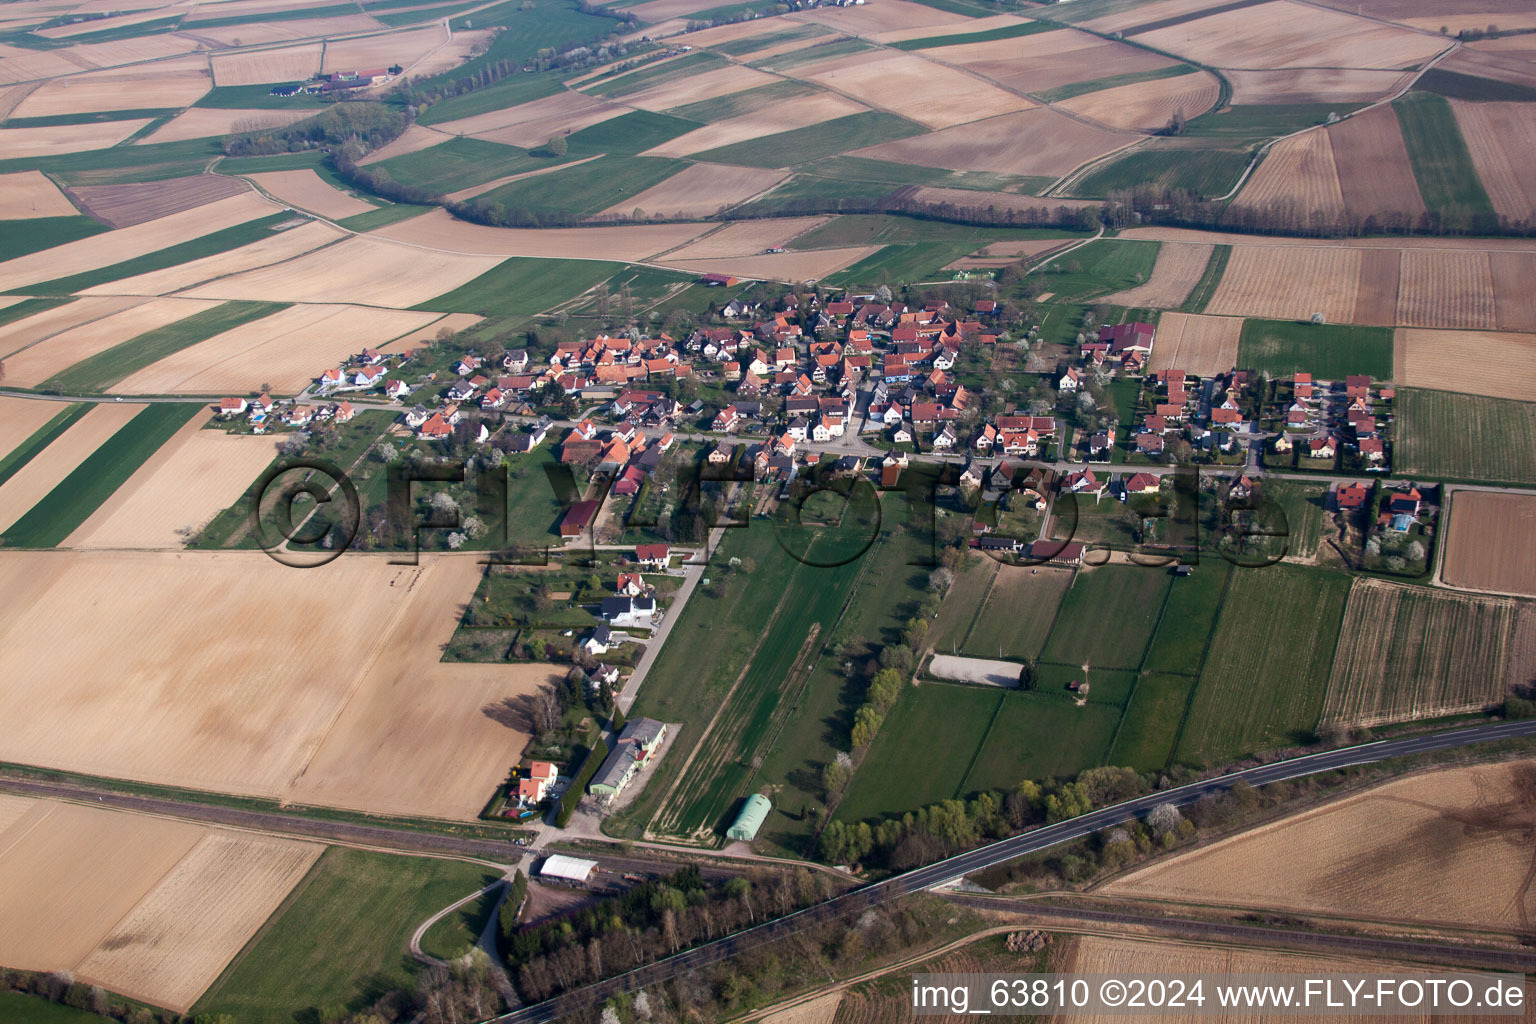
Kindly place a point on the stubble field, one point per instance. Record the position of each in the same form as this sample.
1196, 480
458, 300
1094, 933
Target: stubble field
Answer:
1049, 60
1178, 269
43, 473
1030, 142
19, 334
260, 67
1502, 140
308, 191
276, 247
1148, 106
1500, 365
319, 686
700, 190
1203, 345
28, 194
1447, 290
1483, 548
1298, 176
383, 50
33, 365
20, 418
1385, 854
17, 143
931, 94
360, 269
178, 83
204, 122
535, 122
797, 112
288, 350
439, 230
148, 907
1407, 652
177, 491
1312, 85
1289, 283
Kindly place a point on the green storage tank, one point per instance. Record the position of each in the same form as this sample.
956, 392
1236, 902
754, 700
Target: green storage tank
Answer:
750, 819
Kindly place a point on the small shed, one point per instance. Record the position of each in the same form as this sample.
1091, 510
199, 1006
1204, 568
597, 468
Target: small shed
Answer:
750, 819
567, 870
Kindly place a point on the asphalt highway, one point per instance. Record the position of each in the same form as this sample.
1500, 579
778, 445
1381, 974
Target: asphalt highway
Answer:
983, 857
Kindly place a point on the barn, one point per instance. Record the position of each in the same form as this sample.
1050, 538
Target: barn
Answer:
751, 818
577, 518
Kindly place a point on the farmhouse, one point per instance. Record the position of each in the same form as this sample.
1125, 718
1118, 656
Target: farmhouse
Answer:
653, 556
1129, 340
635, 748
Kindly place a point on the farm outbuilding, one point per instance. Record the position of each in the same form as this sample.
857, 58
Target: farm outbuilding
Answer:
750, 819
567, 870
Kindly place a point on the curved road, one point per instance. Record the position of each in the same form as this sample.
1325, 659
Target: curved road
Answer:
956, 867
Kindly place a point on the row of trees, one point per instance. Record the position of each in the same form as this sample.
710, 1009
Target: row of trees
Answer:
654, 919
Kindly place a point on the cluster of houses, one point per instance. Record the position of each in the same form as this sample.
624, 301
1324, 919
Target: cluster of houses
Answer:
1399, 510
1325, 417
1208, 412
264, 412
633, 604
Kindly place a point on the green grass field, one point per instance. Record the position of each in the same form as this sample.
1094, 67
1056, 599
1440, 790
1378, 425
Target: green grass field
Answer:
1446, 175
16, 1008
630, 133
1264, 121
121, 164
1188, 618
1209, 170
1328, 351
186, 252
20, 237
1018, 614
901, 264
340, 938
1446, 434
383, 216
586, 189
102, 370
460, 163
92, 482
905, 767
520, 287
1099, 268
507, 93
1107, 617
1028, 28
1041, 735
1151, 725
804, 145
533, 509
41, 438
886, 229
1304, 506
457, 933
1267, 671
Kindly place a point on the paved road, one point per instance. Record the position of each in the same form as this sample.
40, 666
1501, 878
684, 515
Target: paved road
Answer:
956, 867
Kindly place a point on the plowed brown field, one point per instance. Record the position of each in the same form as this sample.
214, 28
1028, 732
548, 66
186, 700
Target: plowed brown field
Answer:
1482, 547
1283, 33
700, 190
1408, 652
1383, 854
1040, 141
798, 112
1047, 60
1297, 180
1374, 170
1446, 289
1202, 345
439, 230
1500, 365
1312, 85
1148, 106
123, 206
1286, 283
322, 687
931, 94
1502, 140
1514, 282
534, 122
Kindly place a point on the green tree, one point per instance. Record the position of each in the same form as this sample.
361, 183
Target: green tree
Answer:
556, 146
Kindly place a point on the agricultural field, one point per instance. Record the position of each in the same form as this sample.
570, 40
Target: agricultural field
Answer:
1040, 735
308, 191
1298, 178
1439, 432
33, 481
1107, 617
1178, 269
122, 206
790, 114
1150, 729
1017, 615
1328, 351
1502, 147
1472, 561
1148, 106
268, 660
27, 195
1029, 142
1375, 174
698, 191
1203, 345
1447, 178
156, 908
341, 935
31, 365
1247, 698
1406, 652
1365, 856
1465, 360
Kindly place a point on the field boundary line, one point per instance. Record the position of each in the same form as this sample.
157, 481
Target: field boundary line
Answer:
997, 570
997, 713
